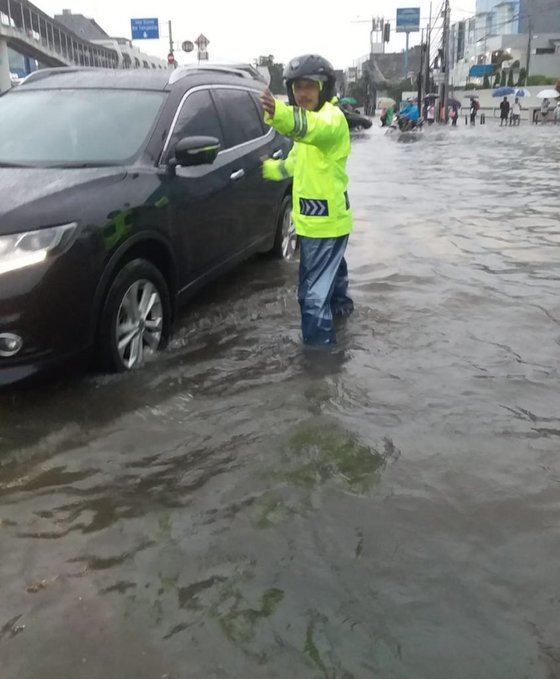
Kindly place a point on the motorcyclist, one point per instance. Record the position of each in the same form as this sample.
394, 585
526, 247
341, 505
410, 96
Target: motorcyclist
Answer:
409, 116
321, 209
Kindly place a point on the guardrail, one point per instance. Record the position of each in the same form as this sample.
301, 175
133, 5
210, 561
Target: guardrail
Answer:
531, 114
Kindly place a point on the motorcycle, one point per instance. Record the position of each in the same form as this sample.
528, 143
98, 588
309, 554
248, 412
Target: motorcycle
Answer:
404, 129
356, 121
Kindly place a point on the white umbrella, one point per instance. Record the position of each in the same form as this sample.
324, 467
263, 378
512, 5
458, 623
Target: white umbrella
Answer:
522, 92
548, 94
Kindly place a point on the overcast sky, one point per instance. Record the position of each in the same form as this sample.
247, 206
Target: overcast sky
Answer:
245, 29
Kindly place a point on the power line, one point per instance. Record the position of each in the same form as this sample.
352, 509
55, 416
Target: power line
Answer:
438, 15
435, 49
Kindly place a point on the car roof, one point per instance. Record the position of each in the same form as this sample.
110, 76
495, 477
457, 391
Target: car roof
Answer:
96, 78
139, 79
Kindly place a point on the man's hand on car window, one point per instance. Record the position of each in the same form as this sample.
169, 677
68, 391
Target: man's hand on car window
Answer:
268, 102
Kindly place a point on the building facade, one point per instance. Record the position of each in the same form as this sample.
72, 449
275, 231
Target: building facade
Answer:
88, 29
503, 35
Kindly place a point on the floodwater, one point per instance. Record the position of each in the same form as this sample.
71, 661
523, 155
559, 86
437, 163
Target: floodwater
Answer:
244, 508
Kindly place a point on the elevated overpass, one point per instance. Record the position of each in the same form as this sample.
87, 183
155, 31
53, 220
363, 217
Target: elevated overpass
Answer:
32, 33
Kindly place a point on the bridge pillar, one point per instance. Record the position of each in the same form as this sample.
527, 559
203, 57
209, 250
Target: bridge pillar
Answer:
5, 81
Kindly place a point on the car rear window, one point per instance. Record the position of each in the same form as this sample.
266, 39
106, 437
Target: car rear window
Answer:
76, 126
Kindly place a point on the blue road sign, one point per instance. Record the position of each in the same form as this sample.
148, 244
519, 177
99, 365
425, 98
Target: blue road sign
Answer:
408, 20
144, 29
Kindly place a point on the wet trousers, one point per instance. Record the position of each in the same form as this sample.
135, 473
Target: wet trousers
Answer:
323, 286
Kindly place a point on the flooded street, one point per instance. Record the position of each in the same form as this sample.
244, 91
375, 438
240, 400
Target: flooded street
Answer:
245, 508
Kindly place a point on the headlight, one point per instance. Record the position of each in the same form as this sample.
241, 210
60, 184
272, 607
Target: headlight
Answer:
32, 247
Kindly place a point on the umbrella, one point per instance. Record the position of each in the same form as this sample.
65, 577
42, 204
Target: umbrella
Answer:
471, 96
522, 92
348, 100
385, 102
431, 96
548, 94
453, 102
503, 92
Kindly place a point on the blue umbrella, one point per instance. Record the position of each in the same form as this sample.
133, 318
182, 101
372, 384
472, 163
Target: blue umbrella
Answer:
522, 92
503, 92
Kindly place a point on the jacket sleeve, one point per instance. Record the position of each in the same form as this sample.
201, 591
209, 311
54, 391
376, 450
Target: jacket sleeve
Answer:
317, 128
277, 170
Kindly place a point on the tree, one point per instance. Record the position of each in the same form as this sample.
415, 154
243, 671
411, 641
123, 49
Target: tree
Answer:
500, 57
522, 77
540, 80
395, 89
510, 78
358, 90
503, 79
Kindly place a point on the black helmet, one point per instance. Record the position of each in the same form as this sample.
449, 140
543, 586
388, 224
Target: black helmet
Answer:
311, 67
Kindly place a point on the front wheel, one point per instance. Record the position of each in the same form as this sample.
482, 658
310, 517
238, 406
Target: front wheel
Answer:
136, 317
286, 240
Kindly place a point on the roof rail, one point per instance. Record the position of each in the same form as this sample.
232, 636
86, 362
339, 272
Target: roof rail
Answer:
43, 73
240, 70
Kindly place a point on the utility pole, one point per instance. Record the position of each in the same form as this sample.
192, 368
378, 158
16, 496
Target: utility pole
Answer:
405, 74
428, 49
171, 57
528, 63
420, 75
445, 64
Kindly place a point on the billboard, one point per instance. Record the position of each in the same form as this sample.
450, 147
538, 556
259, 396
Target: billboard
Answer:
408, 20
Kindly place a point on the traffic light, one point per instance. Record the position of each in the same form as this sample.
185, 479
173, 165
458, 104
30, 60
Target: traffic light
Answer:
386, 32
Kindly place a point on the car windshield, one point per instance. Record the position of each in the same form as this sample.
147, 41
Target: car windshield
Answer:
75, 127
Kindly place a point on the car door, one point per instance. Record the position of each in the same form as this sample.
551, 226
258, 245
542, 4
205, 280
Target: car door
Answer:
202, 198
249, 140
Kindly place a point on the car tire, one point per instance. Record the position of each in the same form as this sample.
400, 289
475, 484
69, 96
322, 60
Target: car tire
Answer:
285, 242
135, 318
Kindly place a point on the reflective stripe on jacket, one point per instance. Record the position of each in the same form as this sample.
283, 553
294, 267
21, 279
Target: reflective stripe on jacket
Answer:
317, 162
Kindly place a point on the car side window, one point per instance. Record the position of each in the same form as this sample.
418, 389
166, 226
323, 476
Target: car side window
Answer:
240, 118
257, 101
197, 117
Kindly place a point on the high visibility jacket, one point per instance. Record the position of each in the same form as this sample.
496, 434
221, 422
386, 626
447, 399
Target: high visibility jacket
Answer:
317, 162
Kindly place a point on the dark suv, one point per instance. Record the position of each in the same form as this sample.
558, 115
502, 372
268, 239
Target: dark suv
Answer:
121, 194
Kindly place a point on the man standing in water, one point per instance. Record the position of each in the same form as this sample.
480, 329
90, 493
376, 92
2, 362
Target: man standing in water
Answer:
321, 209
515, 112
504, 112
473, 110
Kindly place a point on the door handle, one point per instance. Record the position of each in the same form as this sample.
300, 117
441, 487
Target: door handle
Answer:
277, 155
236, 176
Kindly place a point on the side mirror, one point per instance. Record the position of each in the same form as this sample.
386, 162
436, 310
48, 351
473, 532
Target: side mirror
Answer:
191, 151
